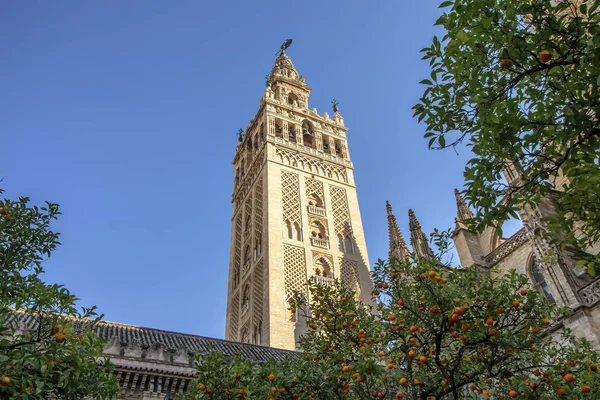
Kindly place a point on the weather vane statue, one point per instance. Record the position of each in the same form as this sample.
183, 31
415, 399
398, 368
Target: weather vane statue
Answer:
284, 46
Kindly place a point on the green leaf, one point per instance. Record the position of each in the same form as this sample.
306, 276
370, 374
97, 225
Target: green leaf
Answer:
447, 3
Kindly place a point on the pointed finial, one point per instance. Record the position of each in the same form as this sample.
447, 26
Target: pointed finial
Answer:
418, 241
398, 247
463, 211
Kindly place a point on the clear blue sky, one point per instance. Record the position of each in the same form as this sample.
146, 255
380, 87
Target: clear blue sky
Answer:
125, 113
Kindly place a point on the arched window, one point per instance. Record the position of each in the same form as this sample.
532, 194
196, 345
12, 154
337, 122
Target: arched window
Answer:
236, 277
297, 231
292, 98
257, 247
340, 241
308, 134
247, 257
348, 245
317, 230
315, 200
322, 267
538, 279
246, 295
256, 335
248, 223
288, 229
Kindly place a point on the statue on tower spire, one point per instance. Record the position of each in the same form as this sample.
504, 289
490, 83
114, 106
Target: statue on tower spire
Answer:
284, 46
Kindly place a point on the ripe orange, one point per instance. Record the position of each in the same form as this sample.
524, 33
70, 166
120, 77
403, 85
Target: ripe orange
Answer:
271, 377
593, 367
416, 381
392, 317
57, 329
411, 353
586, 389
59, 338
434, 309
346, 368
513, 393
390, 366
414, 328
444, 280
400, 302
454, 318
545, 321
569, 378
7, 218
489, 321
282, 390
5, 381
403, 381
535, 329
561, 391
473, 387
523, 292
516, 304
202, 387
393, 275
295, 396
493, 332
432, 274
536, 372
3, 211
532, 385
499, 310
506, 62
423, 359
545, 56
485, 392
399, 395
381, 354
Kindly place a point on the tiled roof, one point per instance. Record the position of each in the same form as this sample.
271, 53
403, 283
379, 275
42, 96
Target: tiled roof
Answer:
148, 337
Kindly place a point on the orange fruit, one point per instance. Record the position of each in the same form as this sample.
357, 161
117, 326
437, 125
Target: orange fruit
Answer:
515, 304
593, 367
403, 381
5, 381
586, 389
506, 62
499, 310
271, 377
535, 329
569, 378
390, 366
493, 332
394, 275
523, 292
423, 359
489, 321
400, 302
57, 329
59, 338
536, 372
545, 56
392, 317
561, 391
432, 274
399, 395
346, 368
202, 387
485, 392
513, 393
414, 328
411, 353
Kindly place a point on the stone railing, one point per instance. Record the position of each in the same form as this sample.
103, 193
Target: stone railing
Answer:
318, 242
316, 210
590, 294
510, 245
323, 280
245, 307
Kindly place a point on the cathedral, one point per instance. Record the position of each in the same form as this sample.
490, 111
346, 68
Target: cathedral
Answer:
295, 217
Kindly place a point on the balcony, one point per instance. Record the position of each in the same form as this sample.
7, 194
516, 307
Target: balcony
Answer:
316, 210
245, 307
318, 242
323, 280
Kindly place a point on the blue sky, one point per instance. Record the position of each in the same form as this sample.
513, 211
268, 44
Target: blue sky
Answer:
125, 114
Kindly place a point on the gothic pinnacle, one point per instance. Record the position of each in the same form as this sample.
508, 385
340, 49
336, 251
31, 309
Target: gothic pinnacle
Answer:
463, 211
418, 241
398, 247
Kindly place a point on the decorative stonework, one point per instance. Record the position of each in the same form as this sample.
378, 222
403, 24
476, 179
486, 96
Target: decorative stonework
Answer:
314, 187
294, 269
257, 306
348, 272
235, 317
248, 218
290, 192
506, 248
258, 216
237, 261
341, 213
590, 294
312, 165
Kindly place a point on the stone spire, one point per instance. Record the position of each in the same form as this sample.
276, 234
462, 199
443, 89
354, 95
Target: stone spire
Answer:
398, 248
418, 241
463, 211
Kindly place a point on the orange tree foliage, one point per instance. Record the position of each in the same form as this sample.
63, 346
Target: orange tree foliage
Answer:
49, 357
436, 332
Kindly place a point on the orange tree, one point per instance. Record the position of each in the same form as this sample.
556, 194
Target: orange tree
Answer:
436, 332
519, 81
42, 354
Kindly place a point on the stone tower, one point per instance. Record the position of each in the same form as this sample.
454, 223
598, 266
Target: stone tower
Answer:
295, 212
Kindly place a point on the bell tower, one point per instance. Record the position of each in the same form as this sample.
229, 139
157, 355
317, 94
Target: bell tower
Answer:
295, 212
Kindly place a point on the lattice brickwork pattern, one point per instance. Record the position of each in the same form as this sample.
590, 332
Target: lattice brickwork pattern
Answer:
237, 259
245, 336
316, 187
312, 165
348, 271
248, 218
341, 213
257, 305
258, 209
235, 317
290, 191
294, 269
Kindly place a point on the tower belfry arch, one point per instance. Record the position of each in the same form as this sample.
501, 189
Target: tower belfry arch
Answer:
294, 193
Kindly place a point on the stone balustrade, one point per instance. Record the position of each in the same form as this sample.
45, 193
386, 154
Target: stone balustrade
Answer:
316, 210
323, 280
318, 242
590, 294
510, 245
